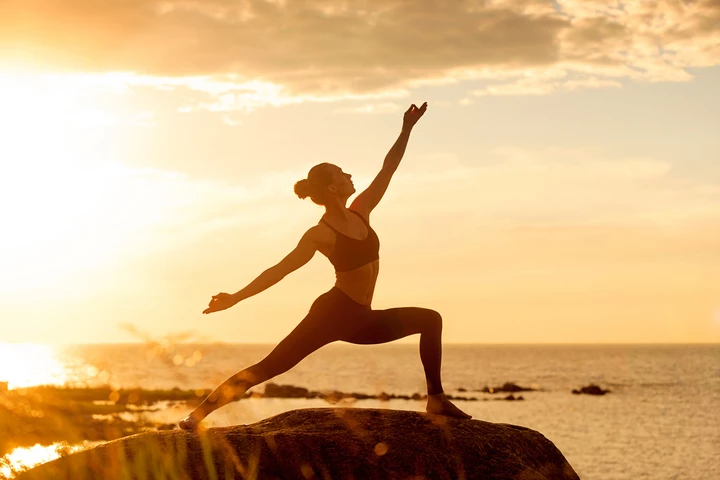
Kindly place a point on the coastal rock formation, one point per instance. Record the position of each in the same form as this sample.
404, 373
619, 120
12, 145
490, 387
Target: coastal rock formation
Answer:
285, 391
273, 390
324, 443
591, 390
507, 387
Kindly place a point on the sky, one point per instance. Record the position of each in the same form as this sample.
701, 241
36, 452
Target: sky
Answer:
563, 186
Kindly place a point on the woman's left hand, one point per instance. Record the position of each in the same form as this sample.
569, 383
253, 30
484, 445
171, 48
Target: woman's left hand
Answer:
219, 302
413, 114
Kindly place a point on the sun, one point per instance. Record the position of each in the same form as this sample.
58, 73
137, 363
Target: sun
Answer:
57, 187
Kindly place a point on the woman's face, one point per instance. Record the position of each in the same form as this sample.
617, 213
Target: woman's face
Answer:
342, 182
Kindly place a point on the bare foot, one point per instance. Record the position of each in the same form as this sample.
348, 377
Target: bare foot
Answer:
440, 405
189, 423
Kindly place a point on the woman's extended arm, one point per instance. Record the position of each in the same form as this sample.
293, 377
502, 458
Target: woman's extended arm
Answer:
368, 199
302, 254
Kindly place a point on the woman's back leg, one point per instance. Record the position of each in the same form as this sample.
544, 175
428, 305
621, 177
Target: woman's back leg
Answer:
311, 334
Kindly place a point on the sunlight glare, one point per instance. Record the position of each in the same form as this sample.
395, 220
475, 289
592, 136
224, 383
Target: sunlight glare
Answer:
29, 364
23, 458
67, 203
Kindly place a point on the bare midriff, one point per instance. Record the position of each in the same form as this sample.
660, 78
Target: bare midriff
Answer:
359, 284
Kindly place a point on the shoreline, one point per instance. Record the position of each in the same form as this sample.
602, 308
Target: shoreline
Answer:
48, 414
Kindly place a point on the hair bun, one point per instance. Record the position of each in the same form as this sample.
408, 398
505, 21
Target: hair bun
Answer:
302, 188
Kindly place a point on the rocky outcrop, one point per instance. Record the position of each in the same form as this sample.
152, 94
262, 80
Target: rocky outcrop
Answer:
507, 387
273, 390
320, 443
591, 390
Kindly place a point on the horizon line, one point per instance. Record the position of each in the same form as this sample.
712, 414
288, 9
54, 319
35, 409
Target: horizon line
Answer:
221, 342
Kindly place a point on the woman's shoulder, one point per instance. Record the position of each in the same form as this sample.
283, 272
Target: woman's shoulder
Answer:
322, 233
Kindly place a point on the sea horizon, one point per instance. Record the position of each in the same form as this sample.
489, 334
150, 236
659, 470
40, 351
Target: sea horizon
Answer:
221, 342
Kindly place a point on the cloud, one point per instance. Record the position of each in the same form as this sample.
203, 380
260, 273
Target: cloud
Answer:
324, 49
372, 108
542, 82
554, 186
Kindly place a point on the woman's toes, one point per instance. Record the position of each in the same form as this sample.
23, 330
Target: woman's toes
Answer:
189, 423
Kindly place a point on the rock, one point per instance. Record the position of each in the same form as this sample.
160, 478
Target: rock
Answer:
285, 391
507, 388
273, 390
461, 389
332, 397
325, 443
361, 396
592, 390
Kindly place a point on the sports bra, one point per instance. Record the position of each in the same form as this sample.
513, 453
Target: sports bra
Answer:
350, 253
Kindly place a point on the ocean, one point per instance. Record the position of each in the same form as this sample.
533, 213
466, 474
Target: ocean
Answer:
661, 419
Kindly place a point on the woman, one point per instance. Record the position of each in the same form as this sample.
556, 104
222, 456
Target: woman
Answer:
343, 313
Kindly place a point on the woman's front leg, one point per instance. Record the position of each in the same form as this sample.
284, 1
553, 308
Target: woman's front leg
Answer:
383, 326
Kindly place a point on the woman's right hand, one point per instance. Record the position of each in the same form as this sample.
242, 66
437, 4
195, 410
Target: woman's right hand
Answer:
221, 301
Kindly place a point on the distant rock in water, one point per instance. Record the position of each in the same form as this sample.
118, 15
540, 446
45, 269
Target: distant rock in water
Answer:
273, 390
318, 443
512, 397
507, 388
285, 391
591, 390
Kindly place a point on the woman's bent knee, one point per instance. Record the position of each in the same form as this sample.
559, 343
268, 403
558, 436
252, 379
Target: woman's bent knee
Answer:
435, 320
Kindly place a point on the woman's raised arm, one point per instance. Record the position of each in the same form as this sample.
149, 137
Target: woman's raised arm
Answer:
371, 196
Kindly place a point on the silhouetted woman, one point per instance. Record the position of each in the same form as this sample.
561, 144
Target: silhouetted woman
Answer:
344, 313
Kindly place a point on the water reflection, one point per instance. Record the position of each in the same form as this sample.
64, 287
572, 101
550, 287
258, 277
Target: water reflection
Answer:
24, 458
30, 364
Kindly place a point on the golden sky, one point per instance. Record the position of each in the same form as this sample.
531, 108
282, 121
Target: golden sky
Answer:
564, 185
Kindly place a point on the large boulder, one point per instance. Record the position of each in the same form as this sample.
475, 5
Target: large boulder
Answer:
324, 443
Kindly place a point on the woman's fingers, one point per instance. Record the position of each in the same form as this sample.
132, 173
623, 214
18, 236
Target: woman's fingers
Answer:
212, 308
218, 302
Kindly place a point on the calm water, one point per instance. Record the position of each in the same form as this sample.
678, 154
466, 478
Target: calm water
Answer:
661, 421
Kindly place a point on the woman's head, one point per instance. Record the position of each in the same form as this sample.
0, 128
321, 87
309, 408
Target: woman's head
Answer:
325, 181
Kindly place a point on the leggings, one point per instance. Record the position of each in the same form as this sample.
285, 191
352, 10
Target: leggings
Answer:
334, 316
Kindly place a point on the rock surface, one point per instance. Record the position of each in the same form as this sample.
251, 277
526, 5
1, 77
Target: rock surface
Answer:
324, 443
